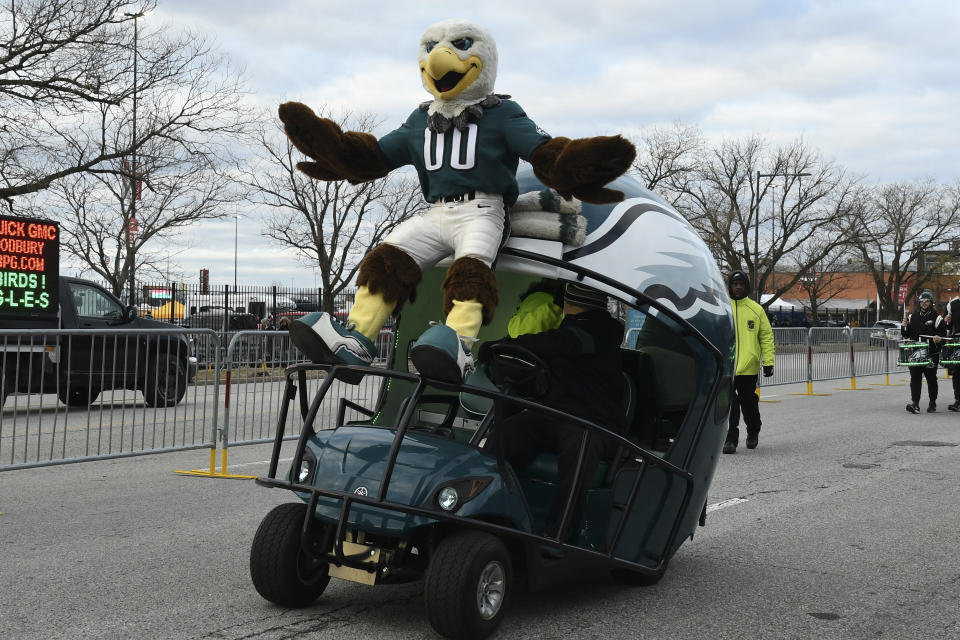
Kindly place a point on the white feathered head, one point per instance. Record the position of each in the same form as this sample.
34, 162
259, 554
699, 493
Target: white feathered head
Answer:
458, 64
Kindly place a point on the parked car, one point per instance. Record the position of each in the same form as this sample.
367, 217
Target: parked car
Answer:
79, 367
212, 318
884, 331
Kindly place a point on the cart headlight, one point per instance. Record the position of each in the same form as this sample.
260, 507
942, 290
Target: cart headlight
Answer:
452, 495
304, 471
448, 498
304, 474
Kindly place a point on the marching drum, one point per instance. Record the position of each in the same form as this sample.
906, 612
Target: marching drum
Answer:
914, 354
950, 355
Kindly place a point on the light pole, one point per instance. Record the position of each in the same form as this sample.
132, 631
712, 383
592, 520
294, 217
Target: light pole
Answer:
132, 222
236, 235
773, 233
756, 222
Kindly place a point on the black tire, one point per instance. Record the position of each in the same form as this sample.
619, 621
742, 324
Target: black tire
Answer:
634, 578
77, 396
167, 382
468, 582
281, 572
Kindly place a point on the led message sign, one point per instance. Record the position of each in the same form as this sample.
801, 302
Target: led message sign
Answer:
29, 267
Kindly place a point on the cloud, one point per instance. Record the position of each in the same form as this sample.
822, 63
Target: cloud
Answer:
874, 85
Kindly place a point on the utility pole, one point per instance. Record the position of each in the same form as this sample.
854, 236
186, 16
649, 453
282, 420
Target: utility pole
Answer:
132, 224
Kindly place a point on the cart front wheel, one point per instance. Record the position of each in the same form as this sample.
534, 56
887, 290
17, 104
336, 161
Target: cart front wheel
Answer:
281, 571
468, 582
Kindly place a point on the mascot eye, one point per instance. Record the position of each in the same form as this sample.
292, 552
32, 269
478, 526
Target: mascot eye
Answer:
463, 43
429, 46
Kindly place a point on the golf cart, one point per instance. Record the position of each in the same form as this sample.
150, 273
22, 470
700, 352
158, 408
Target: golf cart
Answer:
401, 489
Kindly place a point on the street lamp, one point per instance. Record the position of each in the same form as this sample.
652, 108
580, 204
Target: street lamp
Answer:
132, 222
756, 222
236, 235
773, 233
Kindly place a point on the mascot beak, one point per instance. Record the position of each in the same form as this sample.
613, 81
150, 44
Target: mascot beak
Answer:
446, 75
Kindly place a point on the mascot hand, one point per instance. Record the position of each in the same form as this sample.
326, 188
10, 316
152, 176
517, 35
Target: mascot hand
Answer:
338, 155
580, 168
309, 133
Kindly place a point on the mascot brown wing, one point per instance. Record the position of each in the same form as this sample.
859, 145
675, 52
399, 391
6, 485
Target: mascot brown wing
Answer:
337, 155
581, 167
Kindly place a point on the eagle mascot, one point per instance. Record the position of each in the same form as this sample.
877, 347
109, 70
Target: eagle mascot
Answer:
465, 144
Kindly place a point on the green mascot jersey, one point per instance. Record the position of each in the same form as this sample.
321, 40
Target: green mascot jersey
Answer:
483, 157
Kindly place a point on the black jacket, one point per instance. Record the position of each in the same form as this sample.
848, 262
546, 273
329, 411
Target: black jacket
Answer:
586, 374
925, 324
953, 310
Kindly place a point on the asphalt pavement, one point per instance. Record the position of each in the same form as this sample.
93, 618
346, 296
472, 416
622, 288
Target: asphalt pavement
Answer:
843, 523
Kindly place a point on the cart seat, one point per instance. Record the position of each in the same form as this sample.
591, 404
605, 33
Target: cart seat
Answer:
544, 466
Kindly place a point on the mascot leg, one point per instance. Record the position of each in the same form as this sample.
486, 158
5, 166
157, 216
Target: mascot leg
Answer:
387, 278
470, 299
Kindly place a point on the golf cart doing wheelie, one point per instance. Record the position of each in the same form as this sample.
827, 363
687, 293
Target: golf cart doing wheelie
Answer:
401, 489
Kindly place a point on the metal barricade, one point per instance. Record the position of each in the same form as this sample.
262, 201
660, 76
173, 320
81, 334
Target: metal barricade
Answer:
870, 352
830, 353
84, 394
254, 384
790, 361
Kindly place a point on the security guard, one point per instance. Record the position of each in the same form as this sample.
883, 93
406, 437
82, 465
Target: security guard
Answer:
754, 345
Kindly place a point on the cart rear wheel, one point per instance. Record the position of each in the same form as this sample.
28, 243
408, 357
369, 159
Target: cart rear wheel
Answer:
635, 578
281, 571
468, 582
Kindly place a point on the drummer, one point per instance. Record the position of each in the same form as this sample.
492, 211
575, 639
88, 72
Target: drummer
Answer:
926, 325
952, 320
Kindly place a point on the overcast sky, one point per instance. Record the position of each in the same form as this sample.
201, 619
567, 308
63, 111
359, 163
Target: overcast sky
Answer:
872, 85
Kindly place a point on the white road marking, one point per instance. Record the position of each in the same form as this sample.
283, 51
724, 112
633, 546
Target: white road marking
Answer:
251, 464
723, 505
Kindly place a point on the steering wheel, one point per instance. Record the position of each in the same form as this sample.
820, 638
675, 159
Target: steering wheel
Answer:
517, 370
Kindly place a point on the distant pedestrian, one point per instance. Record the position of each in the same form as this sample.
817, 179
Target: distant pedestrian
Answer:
952, 321
754, 345
924, 325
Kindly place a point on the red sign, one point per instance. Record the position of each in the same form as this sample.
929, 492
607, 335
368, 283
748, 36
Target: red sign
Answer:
132, 230
903, 294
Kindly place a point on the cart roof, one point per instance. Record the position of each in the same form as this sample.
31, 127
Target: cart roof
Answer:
645, 245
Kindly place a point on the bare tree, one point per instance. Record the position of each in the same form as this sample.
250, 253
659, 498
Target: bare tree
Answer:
330, 225
728, 206
825, 279
179, 188
668, 159
67, 83
901, 223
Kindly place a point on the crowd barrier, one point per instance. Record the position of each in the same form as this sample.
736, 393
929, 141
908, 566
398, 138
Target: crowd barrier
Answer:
831, 353
235, 396
83, 394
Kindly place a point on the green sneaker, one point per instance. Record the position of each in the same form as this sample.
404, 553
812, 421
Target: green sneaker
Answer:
325, 341
440, 353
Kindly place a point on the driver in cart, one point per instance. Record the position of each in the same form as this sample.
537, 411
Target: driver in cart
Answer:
585, 372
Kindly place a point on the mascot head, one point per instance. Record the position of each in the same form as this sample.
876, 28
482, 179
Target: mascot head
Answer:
458, 64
